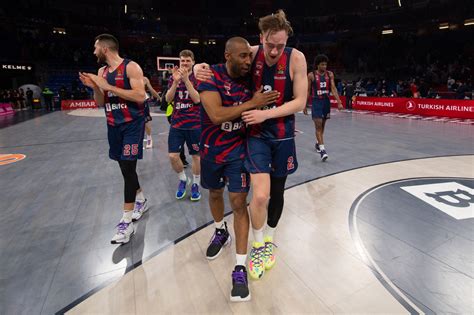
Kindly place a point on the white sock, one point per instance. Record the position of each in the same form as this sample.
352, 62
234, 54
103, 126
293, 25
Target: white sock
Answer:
240, 260
269, 231
219, 225
182, 176
321, 146
127, 216
140, 196
196, 179
148, 137
258, 235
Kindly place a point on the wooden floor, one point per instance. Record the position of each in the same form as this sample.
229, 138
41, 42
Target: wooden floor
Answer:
61, 203
319, 269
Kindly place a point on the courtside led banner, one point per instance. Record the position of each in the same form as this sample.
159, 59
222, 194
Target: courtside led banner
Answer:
415, 106
6, 109
77, 104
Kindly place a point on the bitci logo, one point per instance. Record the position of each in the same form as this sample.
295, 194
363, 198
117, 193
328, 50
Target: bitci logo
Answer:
452, 198
411, 105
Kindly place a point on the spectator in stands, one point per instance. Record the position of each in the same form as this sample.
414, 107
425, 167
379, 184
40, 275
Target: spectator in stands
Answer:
423, 89
48, 98
63, 94
21, 99
450, 83
349, 93
461, 91
29, 98
414, 89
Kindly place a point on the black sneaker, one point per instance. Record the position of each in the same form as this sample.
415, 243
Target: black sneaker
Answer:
324, 155
185, 164
220, 238
240, 285
316, 146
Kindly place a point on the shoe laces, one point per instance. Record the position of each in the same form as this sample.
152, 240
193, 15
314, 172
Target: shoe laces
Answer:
256, 255
138, 206
239, 276
182, 185
219, 237
269, 248
195, 189
122, 227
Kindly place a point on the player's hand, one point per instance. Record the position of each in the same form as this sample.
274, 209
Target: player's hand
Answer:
202, 72
176, 74
261, 98
339, 105
99, 82
184, 74
255, 116
87, 81
305, 110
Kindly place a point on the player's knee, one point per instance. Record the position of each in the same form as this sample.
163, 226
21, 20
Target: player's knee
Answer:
174, 157
216, 194
260, 198
238, 203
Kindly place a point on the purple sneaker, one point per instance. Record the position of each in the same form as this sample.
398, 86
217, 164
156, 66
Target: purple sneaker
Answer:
181, 192
124, 232
240, 286
195, 194
140, 208
220, 238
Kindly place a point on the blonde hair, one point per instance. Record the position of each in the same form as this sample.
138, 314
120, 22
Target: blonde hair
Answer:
275, 22
186, 53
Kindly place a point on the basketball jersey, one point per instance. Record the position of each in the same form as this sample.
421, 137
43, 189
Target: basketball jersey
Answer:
276, 77
321, 86
186, 113
225, 142
117, 109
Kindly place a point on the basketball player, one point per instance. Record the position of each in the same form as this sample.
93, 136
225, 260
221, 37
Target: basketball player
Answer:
320, 82
225, 98
271, 154
118, 87
185, 123
148, 119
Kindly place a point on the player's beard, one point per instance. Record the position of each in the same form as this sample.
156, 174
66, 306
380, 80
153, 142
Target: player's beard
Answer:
101, 58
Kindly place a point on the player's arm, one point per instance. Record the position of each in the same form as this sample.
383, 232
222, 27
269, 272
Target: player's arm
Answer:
310, 81
172, 89
334, 91
300, 90
193, 93
202, 71
137, 91
212, 102
135, 76
151, 89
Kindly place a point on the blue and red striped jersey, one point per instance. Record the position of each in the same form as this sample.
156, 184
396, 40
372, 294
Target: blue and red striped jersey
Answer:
185, 113
276, 77
321, 86
119, 110
225, 142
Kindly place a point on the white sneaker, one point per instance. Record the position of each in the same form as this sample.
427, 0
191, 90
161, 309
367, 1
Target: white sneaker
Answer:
139, 210
149, 144
124, 232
